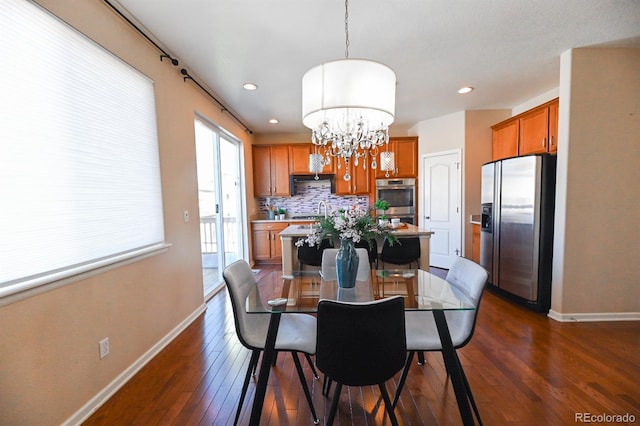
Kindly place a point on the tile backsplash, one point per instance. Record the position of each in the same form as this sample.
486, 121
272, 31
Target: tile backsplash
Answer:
308, 194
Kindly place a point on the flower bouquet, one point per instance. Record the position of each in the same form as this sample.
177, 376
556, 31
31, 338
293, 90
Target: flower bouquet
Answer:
350, 226
354, 224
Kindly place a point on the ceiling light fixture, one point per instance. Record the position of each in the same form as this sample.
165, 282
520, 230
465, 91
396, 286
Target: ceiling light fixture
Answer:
349, 104
274, 121
465, 89
250, 86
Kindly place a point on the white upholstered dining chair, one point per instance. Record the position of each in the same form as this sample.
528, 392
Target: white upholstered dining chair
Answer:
296, 332
422, 334
328, 266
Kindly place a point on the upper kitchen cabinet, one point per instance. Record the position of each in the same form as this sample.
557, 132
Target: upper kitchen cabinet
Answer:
406, 158
553, 126
534, 131
505, 139
299, 159
271, 170
359, 184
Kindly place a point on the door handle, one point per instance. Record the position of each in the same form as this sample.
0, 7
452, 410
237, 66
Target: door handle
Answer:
427, 217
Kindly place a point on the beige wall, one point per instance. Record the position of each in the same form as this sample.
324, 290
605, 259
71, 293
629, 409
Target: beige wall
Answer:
49, 364
470, 132
476, 152
596, 268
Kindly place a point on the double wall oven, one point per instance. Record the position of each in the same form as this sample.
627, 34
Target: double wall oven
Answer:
401, 196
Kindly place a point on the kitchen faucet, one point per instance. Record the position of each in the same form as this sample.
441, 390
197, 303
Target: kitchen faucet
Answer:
323, 203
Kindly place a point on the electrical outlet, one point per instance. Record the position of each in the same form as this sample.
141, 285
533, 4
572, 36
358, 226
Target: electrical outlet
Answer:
185, 216
104, 347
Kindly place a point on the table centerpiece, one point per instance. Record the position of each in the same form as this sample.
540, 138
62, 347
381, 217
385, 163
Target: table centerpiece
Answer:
350, 226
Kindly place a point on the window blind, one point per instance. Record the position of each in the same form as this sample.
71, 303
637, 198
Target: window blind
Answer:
79, 167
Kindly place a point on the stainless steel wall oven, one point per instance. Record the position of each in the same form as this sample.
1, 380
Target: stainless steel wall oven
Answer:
401, 196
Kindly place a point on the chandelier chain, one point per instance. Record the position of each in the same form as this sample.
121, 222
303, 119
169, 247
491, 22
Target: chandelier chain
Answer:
346, 28
353, 128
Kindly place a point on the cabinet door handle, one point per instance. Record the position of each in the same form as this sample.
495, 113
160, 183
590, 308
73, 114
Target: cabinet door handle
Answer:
551, 140
543, 142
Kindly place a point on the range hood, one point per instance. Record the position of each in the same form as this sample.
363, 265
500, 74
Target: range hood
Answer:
312, 178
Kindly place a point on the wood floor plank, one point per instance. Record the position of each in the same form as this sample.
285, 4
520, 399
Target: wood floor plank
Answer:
524, 369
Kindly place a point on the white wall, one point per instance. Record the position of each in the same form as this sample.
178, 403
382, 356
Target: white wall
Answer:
596, 273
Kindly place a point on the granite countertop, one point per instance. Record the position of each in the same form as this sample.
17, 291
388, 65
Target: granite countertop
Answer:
405, 231
287, 220
294, 218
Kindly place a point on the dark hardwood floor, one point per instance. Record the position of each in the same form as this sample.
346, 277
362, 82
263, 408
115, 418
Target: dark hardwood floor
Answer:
524, 369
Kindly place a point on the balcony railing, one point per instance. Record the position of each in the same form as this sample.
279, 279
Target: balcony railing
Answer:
208, 234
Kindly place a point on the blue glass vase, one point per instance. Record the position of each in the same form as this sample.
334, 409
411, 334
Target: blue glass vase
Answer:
347, 264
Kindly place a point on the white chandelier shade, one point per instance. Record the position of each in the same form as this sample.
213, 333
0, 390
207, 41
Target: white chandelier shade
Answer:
349, 89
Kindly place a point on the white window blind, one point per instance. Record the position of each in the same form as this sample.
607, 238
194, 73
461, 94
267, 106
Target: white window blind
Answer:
79, 167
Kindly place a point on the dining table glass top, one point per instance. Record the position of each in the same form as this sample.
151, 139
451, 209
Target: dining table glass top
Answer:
302, 291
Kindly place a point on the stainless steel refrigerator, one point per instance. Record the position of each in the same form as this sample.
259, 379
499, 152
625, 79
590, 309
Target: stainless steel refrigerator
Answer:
516, 239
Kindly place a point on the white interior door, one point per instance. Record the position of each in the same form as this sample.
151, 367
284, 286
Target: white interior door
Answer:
442, 207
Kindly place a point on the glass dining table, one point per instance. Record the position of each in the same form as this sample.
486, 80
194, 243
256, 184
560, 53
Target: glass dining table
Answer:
277, 294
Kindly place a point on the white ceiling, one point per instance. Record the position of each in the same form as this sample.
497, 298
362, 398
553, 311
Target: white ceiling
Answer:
509, 50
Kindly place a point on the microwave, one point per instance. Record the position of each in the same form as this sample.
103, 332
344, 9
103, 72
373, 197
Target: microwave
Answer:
399, 193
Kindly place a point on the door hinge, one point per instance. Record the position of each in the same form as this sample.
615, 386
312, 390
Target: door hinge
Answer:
457, 166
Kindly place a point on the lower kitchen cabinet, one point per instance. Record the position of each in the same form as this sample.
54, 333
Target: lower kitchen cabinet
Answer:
266, 243
475, 243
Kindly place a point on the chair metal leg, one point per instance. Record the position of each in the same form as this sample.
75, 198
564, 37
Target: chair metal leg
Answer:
420, 358
326, 385
403, 377
387, 404
305, 388
454, 368
469, 393
334, 404
253, 361
313, 367
255, 365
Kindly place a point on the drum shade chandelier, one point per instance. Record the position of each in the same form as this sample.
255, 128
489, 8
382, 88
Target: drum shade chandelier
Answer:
348, 104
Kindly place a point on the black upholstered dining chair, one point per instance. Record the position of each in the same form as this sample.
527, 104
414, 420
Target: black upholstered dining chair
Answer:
361, 344
422, 334
372, 251
404, 252
312, 256
296, 332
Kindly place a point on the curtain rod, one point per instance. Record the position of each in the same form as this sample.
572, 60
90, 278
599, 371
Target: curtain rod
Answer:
175, 62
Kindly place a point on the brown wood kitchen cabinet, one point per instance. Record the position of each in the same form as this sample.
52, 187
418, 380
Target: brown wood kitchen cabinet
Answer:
553, 126
475, 242
406, 158
266, 243
359, 184
505, 139
299, 159
534, 131
271, 170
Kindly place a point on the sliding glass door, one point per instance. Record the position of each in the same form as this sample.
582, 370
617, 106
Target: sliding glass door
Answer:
220, 200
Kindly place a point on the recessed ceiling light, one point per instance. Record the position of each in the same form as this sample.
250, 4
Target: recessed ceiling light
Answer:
273, 121
250, 86
465, 89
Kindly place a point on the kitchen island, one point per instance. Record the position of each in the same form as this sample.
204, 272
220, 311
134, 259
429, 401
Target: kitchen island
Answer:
293, 233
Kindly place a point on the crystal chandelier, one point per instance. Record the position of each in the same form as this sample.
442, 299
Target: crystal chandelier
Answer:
348, 104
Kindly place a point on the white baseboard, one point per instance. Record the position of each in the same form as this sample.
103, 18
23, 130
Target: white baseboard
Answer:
103, 396
594, 316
